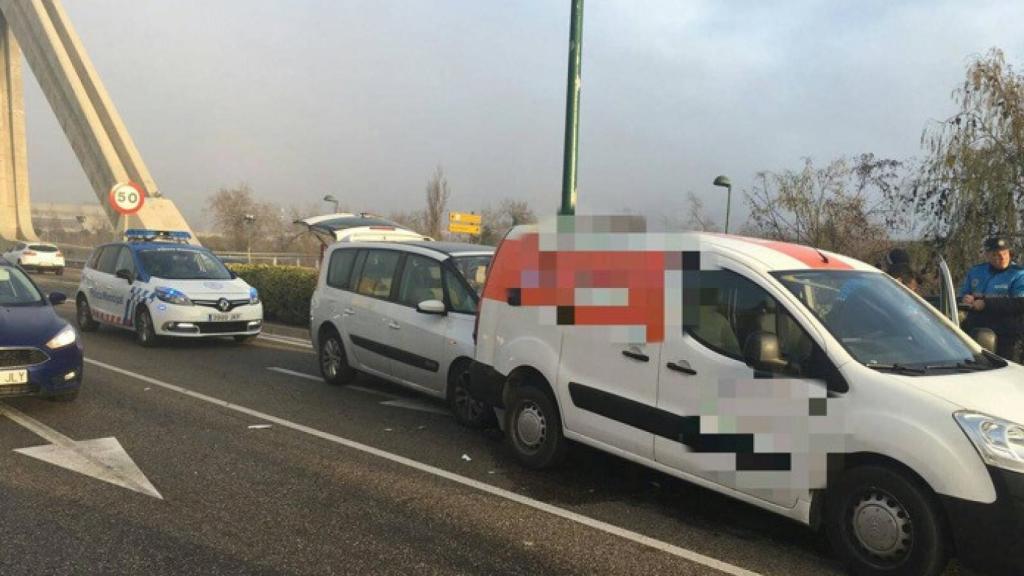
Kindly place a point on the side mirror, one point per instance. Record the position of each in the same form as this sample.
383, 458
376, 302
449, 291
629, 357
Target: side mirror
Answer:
124, 275
431, 307
57, 298
986, 338
762, 352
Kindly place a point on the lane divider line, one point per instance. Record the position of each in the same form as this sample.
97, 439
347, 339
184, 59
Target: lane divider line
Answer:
294, 373
287, 340
605, 527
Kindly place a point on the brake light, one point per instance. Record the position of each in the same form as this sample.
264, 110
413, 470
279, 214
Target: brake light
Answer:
59, 253
29, 253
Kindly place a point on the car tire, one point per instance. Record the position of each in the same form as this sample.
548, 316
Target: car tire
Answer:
65, 396
468, 411
59, 271
533, 427
881, 522
145, 334
333, 361
83, 316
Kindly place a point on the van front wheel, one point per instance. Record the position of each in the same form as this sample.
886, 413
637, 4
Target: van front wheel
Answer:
881, 523
533, 428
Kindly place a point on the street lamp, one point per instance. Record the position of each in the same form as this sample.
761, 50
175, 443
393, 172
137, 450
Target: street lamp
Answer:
249, 220
723, 182
331, 198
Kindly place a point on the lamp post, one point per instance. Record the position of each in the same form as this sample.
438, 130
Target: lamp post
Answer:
249, 220
723, 182
331, 198
572, 111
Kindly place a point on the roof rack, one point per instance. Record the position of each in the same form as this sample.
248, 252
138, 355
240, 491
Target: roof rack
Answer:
144, 235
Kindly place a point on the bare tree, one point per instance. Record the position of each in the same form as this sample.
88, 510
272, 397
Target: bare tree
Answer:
411, 219
496, 222
437, 203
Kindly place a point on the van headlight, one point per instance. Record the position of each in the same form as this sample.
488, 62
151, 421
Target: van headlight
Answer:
254, 296
172, 296
1000, 443
65, 337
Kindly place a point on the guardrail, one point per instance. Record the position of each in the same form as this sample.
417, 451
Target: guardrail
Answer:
75, 257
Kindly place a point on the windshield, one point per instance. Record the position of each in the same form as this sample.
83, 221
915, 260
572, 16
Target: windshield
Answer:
881, 325
182, 264
16, 289
474, 269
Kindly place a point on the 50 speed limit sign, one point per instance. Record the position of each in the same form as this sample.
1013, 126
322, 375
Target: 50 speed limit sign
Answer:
127, 198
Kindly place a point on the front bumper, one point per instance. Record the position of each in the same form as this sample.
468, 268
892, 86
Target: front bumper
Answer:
988, 537
59, 374
202, 321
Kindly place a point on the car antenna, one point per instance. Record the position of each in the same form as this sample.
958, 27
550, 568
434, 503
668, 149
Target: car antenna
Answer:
822, 254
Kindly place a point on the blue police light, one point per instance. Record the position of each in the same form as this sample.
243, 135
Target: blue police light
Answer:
145, 234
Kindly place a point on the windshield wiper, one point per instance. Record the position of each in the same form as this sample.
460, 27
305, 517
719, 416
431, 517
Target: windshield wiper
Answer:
965, 365
897, 368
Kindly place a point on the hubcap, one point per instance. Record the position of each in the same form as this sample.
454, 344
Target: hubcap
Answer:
882, 526
531, 426
331, 358
144, 326
83, 313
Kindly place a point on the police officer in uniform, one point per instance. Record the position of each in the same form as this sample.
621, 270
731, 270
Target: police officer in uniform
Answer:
994, 293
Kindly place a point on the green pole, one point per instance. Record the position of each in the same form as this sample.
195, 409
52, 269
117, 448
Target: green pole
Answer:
572, 111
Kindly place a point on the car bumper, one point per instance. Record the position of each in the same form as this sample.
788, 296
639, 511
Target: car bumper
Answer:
60, 374
42, 264
988, 536
201, 321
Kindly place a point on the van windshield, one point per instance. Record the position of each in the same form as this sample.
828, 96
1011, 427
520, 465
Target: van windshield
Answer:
882, 326
182, 264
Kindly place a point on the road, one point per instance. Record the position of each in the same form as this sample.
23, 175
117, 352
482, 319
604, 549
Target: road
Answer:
258, 467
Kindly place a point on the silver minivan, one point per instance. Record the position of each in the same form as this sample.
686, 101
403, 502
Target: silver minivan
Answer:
402, 311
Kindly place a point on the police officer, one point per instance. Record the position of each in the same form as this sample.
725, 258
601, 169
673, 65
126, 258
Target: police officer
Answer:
994, 293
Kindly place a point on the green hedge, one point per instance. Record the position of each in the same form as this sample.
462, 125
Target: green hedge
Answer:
284, 290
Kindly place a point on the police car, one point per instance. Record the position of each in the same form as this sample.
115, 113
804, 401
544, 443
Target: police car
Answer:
157, 284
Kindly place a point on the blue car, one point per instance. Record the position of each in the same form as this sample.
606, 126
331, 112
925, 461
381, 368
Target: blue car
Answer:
40, 353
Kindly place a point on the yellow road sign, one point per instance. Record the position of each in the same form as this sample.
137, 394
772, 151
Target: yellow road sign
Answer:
463, 218
457, 228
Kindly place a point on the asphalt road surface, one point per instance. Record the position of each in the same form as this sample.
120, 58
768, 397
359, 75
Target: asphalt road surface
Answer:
238, 459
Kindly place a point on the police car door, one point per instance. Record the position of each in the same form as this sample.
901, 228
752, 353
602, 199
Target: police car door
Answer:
121, 285
721, 420
97, 282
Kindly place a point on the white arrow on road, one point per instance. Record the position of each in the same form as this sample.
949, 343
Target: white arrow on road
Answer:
103, 459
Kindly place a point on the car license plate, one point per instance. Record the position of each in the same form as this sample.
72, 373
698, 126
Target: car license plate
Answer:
224, 317
11, 377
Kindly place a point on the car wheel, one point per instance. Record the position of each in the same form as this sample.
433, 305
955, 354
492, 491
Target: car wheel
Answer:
65, 396
83, 316
533, 427
468, 411
59, 271
145, 334
333, 361
882, 523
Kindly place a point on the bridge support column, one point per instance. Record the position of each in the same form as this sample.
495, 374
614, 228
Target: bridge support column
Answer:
15, 207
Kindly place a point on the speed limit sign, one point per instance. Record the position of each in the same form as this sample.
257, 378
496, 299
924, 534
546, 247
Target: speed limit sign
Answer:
127, 198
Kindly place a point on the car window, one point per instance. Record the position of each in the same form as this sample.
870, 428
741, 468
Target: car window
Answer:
16, 289
459, 297
378, 273
421, 280
43, 248
107, 259
94, 258
125, 261
339, 271
474, 269
731, 308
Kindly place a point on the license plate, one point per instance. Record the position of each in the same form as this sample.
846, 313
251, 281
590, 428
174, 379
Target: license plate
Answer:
11, 377
224, 317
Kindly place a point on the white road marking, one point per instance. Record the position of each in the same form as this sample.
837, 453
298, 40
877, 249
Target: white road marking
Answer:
630, 535
410, 404
294, 373
366, 390
297, 342
104, 458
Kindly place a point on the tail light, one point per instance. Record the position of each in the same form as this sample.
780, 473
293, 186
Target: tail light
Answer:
59, 254
29, 253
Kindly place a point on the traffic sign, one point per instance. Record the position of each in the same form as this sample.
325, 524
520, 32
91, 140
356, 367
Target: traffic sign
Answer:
127, 198
464, 223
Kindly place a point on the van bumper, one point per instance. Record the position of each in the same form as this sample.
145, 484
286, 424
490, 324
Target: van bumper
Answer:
486, 384
988, 536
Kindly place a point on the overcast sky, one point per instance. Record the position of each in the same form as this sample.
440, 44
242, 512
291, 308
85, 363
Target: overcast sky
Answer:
363, 98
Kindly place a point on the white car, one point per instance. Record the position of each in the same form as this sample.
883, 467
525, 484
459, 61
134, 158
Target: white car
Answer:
345, 227
799, 381
160, 286
39, 256
404, 312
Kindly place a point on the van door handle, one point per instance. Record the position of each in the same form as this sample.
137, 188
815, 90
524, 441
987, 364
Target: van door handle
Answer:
636, 355
684, 369
394, 325
348, 311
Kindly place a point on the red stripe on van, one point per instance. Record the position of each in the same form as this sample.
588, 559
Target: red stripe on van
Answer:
805, 254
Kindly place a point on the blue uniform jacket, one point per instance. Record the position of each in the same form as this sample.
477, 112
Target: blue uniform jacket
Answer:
1004, 298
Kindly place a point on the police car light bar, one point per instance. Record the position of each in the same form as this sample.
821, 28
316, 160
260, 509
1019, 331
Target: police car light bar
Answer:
143, 234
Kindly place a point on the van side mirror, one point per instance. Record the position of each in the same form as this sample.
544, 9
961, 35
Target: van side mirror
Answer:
124, 275
57, 298
985, 338
762, 352
431, 307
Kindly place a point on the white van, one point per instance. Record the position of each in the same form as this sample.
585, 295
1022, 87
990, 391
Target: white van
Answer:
403, 312
797, 380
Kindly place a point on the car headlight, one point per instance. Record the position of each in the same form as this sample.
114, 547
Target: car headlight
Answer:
65, 337
172, 296
254, 296
1000, 443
